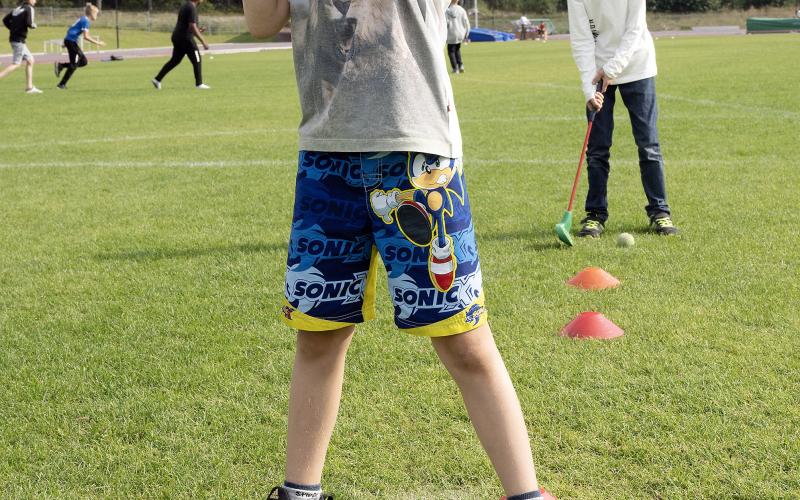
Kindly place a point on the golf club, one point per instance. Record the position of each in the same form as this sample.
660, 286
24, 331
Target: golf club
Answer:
564, 227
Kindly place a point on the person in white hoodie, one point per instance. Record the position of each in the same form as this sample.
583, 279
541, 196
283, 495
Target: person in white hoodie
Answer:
611, 45
457, 32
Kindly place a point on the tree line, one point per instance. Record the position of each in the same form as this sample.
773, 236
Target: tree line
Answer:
548, 6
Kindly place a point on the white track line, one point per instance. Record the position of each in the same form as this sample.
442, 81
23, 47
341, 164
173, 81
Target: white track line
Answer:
743, 108
292, 163
153, 164
666, 116
149, 137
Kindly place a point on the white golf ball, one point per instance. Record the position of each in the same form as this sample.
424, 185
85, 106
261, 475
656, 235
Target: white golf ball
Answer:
625, 240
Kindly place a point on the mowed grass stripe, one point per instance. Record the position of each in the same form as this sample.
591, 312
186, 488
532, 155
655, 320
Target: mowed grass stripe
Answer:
141, 354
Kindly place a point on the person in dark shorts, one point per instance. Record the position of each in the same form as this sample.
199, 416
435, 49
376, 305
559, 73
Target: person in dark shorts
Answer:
77, 59
18, 21
183, 44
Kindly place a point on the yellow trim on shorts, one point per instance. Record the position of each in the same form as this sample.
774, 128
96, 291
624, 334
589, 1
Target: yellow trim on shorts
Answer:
370, 286
453, 325
302, 321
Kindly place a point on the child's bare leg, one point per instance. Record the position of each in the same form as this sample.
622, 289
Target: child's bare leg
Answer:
29, 75
476, 366
8, 69
314, 401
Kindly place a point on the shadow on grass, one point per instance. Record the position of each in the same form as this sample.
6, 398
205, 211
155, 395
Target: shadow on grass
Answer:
537, 239
154, 254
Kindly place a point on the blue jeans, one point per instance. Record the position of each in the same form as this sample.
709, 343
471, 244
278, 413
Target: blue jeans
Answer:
640, 99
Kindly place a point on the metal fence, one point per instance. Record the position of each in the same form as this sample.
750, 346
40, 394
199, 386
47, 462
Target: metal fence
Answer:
145, 21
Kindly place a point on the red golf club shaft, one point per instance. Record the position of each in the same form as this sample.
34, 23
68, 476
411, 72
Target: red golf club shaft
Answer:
591, 116
580, 165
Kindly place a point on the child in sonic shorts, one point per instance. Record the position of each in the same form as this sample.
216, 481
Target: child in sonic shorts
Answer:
380, 178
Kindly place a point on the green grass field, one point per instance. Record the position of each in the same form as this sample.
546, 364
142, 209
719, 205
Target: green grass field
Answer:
142, 252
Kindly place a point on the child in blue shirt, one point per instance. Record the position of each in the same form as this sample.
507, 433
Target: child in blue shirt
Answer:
77, 59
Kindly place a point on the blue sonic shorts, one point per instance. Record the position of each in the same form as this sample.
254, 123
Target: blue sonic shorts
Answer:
409, 210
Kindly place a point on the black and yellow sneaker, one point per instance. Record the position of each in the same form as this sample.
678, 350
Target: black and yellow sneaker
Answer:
280, 493
592, 228
662, 224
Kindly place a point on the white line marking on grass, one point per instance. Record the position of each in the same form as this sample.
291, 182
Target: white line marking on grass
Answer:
292, 163
149, 137
154, 164
516, 119
665, 116
526, 161
745, 109
546, 85
675, 163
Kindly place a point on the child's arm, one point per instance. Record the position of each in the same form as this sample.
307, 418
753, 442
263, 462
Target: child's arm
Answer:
265, 18
635, 25
198, 34
582, 41
90, 39
30, 18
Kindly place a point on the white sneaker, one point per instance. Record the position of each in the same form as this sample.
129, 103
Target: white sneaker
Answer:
203, 86
33, 90
156, 84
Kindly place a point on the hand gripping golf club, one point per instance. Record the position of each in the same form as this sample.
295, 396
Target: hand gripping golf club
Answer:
563, 228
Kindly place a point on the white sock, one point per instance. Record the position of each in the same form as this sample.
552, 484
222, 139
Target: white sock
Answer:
302, 491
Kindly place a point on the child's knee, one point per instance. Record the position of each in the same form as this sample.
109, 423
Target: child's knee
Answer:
469, 357
321, 345
474, 362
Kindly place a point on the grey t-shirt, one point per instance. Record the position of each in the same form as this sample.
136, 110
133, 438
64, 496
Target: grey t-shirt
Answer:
372, 76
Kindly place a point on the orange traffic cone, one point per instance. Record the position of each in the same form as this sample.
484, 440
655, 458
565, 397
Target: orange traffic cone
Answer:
591, 325
593, 278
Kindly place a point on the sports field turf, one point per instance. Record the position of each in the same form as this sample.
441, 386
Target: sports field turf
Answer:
142, 251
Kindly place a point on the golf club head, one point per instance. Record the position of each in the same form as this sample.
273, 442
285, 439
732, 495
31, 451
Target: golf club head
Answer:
563, 229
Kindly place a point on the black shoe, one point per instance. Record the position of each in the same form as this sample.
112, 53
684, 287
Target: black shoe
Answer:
62, 86
278, 493
592, 228
662, 224
57, 68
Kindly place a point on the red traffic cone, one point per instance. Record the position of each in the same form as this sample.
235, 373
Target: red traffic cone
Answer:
593, 278
546, 495
591, 325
